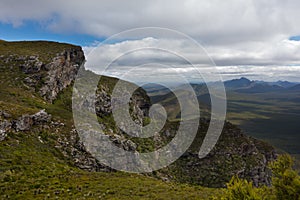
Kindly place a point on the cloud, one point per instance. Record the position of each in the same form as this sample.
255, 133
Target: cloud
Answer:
266, 61
283, 53
212, 22
234, 33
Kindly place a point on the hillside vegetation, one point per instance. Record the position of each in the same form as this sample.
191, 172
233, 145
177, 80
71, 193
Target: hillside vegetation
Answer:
32, 167
41, 155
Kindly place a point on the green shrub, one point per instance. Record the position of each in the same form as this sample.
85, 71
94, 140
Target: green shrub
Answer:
285, 184
239, 189
286, 181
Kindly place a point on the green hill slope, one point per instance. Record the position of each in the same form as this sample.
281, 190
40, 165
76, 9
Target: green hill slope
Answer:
32, 165
42, 156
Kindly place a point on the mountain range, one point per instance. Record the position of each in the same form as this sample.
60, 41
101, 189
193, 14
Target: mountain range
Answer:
266, 110
247, 86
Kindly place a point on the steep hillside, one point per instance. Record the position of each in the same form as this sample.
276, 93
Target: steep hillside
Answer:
40, 153
42, 156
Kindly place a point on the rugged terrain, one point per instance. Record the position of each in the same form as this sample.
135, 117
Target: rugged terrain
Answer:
41, 154
268, 111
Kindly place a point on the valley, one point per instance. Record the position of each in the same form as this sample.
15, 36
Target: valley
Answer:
267, 111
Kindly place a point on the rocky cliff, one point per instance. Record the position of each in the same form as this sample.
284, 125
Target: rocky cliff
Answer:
54, 76
37, 81
234, 154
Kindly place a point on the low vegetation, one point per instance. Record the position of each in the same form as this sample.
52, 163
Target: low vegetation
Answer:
285, 184
33, 167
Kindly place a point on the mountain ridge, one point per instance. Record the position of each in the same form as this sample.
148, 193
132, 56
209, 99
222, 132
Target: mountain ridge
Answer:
51, 136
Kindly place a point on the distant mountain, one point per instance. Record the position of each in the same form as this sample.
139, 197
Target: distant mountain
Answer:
285, 84
237, 83
244, 85
265, 110
260, 88
295, 88
155, 89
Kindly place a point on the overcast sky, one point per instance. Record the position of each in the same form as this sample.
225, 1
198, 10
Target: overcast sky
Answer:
257, 39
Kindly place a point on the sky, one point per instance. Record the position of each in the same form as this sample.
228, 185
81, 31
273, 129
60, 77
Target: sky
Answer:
257, 39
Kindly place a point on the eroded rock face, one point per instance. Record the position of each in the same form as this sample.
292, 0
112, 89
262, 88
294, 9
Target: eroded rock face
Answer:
72, 147
31, 65
41, 117
23, 123
51, 78
5, 125
103, 108
61, 72
138, 102
234, 154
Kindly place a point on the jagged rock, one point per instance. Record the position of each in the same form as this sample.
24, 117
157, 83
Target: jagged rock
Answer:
72, 147
23, 123
121, 142
41, 117
52, 77
2, 135
4, 114
61, 72
234, 154
128, 145
32, 81
33, 57
31, 65
103, 103
5, 125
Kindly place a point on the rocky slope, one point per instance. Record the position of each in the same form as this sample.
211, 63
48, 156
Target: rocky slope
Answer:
234, 154
48, 79
36, 81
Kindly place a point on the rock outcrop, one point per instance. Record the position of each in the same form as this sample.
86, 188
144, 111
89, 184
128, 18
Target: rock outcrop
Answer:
72, 147
61, 72
5, 124
50, 78
234, 154
23, 123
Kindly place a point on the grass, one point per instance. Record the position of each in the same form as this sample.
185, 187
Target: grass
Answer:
31, 167
45, 50
34, 170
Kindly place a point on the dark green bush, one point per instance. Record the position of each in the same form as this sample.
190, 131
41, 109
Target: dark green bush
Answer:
286, 181
285, 184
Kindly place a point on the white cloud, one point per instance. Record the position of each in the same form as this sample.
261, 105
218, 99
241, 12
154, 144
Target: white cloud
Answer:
234, 32
254, 60
212, 21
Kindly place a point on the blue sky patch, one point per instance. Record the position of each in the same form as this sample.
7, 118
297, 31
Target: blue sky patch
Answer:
32, 30
295, 38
